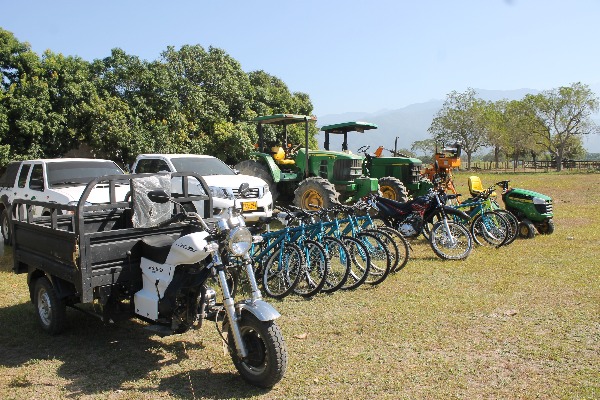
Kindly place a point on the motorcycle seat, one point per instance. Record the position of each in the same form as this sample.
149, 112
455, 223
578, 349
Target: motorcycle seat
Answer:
156, 248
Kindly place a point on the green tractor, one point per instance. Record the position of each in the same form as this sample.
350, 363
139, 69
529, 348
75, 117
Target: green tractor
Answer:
309, 177
398, 176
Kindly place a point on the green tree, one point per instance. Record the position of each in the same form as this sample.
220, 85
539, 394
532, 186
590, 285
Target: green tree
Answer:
564, 114
461, 120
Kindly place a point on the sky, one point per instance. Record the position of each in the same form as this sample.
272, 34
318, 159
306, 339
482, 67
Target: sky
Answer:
348, 56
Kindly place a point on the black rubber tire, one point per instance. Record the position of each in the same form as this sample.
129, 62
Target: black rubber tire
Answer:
315, 190
339, 264
546, 227
526, 229
381, 260
267, 355
393, 188
403, 247
255, 168
279, 282
361, 262
454, 215
5, 227
392, 247
514, 225
494, 223
316, 267
50, 310
441, 247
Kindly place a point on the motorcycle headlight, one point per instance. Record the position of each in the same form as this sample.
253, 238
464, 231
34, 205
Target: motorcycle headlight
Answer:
239, 241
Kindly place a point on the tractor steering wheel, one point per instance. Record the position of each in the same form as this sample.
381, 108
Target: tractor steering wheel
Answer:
363, 149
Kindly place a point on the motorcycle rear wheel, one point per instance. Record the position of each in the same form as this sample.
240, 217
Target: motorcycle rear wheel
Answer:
266, 362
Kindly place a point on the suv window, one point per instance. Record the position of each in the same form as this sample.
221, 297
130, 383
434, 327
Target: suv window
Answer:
23, 175
152, 165
36, 180
78, 172
10, 174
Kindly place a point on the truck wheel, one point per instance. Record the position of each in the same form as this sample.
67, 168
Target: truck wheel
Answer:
5, 226
393, 188
51, 310
254, 168
315, 191
526, 229
546, 227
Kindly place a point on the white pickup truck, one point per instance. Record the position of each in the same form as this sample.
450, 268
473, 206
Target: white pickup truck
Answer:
60, 180
222, 180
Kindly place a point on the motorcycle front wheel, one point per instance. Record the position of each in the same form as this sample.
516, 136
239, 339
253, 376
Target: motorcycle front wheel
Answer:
267, 355
454, 243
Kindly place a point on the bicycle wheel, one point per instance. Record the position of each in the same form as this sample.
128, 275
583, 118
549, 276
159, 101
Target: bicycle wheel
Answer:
451, 243
282, 271
402, 244
360, 262
339, 263
490, 228
381, 260
390, 244
316, 267
513, 223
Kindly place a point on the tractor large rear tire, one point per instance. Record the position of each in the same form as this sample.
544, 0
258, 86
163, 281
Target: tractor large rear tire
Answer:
393, 188
315, 191
254, 168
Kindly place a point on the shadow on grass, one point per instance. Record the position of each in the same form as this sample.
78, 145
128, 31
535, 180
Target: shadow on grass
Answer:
98, 358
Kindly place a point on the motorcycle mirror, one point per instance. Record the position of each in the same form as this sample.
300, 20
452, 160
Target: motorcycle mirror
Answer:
244, 187
159, 196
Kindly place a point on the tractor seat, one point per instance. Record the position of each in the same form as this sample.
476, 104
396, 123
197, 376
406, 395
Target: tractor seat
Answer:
476, 186
279, 156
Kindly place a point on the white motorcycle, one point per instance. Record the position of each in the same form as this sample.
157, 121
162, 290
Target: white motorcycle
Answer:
175, 294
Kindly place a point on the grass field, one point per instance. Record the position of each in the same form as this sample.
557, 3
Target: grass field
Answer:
521, 322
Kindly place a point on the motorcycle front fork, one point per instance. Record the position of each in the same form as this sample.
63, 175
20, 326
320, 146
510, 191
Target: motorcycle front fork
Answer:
229, 302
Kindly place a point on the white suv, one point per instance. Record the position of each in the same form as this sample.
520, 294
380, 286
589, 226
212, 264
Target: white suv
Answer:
222, 180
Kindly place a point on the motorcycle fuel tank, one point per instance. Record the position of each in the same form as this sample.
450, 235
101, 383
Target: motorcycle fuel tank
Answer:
189, 249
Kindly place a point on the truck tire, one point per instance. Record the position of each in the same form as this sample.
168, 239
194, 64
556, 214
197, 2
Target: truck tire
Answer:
51, 311
254, 168
5, 227
317, 191
393, 188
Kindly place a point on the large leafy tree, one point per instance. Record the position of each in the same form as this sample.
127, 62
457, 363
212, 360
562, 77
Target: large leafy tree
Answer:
564, 114
461, 119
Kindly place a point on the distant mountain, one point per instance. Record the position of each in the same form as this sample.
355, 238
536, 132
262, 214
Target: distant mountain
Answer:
410, 123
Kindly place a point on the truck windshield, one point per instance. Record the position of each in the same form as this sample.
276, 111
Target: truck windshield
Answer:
202, 166
79, 172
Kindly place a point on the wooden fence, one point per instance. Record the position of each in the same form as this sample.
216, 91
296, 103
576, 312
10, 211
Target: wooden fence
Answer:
535, 166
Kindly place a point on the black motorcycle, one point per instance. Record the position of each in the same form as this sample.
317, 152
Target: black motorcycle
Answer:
449, 240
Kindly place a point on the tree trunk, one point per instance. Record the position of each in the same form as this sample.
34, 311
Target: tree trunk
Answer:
468, 160
496, 155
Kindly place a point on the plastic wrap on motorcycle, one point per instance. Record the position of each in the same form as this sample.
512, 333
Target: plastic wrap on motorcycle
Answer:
260, 309
147, 213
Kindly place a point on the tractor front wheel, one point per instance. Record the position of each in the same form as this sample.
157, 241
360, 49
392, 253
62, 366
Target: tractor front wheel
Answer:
546, 227
526, 229
313, 192
393, 188
254, 168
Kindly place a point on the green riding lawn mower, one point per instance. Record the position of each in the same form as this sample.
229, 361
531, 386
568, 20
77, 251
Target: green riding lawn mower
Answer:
532, 209
398, 176
309, 177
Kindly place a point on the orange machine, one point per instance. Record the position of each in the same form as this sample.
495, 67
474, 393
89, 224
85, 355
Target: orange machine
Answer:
444, 161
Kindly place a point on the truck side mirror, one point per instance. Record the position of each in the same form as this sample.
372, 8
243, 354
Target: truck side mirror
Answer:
159, 196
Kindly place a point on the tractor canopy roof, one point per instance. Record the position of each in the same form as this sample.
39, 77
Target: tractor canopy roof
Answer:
283, 119
346, 127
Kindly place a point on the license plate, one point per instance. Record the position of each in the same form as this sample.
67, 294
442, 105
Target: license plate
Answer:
249, 206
